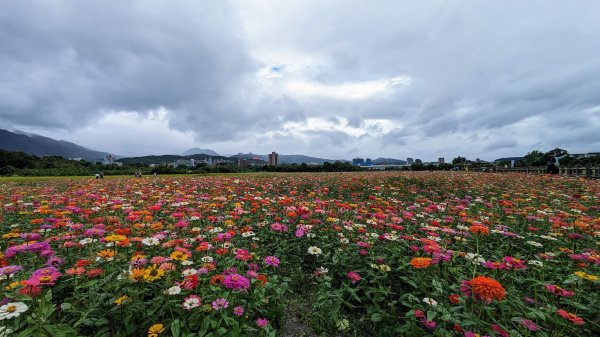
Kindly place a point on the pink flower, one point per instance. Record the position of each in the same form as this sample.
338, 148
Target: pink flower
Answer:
272, 261
236, 282
219, 303
191, 302
558, 291
238, 311
262, 322
43, 276
529, 325
354, 276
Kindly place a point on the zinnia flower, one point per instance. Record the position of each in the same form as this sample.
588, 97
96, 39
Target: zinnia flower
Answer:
420, 262
262, 322
529, 324
312, 250
558, 291
354, 276
12, 309
219, 303
153, 273
571, 317
191, 302
156, 330
236, 282
272, 261
483, 289
238, 311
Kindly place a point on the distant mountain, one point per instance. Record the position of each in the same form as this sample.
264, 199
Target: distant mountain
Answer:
391, 161
169, 158
291, 158
44, 146
196, 150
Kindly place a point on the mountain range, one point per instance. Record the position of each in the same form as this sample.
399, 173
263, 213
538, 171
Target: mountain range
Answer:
45, 146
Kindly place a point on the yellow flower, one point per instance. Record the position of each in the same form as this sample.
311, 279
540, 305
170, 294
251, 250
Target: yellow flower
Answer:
179, 256
385, 267
115, 238
153, 273
156, 330
121, 299
585, 276
12, 285
10, 235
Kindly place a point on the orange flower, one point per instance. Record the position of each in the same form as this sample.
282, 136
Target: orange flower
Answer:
479, 229
420, 262
263, 279
217, 280
106, 254
484, 289
571, 317
136, 274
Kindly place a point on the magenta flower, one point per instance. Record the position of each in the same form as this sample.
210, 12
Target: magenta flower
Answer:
354, 276
262, 322
272, 261
238, 311
558, 291
236, 282
219, 303
43, 276
529, 324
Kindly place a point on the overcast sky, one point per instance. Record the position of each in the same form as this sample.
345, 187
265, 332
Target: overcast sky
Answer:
332, 79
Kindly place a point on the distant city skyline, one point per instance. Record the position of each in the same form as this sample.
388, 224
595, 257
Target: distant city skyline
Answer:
331, 79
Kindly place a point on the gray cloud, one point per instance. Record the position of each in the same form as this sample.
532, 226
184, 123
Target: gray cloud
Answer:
479, 71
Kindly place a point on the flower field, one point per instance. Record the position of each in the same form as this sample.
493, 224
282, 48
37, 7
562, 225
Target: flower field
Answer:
357, 254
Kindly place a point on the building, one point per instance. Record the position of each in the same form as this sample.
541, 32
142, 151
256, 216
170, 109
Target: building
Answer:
273, 158
440, 160
368, 162
410, 161
109, 159
358, 161
418, 161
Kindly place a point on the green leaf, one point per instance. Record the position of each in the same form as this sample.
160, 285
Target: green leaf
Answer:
65, 306
175, 328
376, 317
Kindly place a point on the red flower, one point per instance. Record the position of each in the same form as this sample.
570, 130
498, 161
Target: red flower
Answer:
571, 317
453, 298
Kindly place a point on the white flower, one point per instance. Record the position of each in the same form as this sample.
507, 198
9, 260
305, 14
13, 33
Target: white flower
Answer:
314, 250
186, 263
174, 290
207, 259
12, 309
86, 241
247, 234
322, 270
189, 272
150, 241
310, 235
344, 240
191, 303
536, 244
430, 301
475, 257
536, 263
